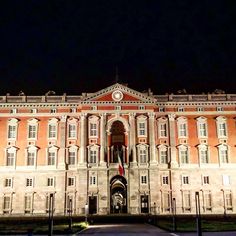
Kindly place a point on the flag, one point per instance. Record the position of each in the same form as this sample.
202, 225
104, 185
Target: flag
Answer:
121, 167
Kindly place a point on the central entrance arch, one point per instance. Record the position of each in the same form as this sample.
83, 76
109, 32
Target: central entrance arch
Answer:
118, 195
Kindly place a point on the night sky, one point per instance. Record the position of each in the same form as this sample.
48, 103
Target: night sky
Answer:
75, 46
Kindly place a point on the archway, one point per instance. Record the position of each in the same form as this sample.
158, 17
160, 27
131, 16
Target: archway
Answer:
118, 195
117, 141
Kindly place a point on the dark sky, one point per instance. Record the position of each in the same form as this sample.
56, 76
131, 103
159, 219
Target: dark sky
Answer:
75, 46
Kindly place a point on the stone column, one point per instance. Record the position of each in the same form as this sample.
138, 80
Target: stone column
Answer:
83, 138
133, 137
153, 158
102, 138
62, 150
172, 137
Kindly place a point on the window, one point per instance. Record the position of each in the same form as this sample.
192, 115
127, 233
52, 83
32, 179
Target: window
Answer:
202, 127
8, 182
92, 180
32, 131
183, 154
221, 127
12, 131
226, 180
51, 158
206, 180
10, 158
143, 179
228, 201
72, 130
180, 109
6, 204
223, 153
73, 110
31, 158
29, 182
141, 107
13, 111
166, 201
93, 126
142, 126
162, 127
34, 110
185, 179
50, 197
199, 109
142, 153
71, 181
187, 201
52, 130
50, 181
163, 157
182, 127
28, 203
93, 156
165, 180
203, 154
53, 110
207, 201
71, 158
219, 109
161, 109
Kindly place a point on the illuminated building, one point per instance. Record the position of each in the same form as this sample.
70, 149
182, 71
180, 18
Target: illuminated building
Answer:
70, 146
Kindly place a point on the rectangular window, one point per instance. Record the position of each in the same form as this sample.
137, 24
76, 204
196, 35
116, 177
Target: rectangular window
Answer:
52, 131
8, 182
51, 158
71, 158
185, 180
183, 130
92, 180
222, 129
224, 156
187, 201
30, 158
71, 181
28, 203
93, 156
207, 199
72, 131
143, 155
32, 131
228, 201
202, 130
163, 130
6, 203
166, 201
206, 180
50, 182
184, 156
29, 182
143, 179
226, 180
204, 156
165, 180
163, 157
12, 131
93, 129
142, 128
10, 158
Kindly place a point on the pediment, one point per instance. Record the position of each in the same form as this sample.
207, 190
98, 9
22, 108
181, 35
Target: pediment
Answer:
119, 93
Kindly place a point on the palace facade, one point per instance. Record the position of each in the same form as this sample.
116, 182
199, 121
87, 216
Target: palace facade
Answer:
70, 148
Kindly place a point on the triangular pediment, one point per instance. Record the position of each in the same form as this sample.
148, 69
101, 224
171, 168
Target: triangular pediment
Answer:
119, 93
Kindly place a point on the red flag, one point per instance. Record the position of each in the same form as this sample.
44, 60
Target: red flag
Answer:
121, 167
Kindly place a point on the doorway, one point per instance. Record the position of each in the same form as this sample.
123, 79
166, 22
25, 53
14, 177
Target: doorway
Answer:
118, 195
92, 205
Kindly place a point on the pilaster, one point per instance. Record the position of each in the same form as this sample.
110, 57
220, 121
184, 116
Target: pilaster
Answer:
153, 159
83, 138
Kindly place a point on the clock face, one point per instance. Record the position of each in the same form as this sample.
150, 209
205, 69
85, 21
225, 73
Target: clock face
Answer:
117, 95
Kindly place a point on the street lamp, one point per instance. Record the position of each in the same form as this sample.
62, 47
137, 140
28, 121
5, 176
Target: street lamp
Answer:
174, 213
50, 215
70, 214
198, 214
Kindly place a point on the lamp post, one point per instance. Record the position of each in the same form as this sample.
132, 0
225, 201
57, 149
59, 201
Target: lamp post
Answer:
50, 215
174, 213
86, 213
70, 214
198, 214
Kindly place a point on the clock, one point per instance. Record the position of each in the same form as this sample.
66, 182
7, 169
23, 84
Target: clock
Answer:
117, 95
